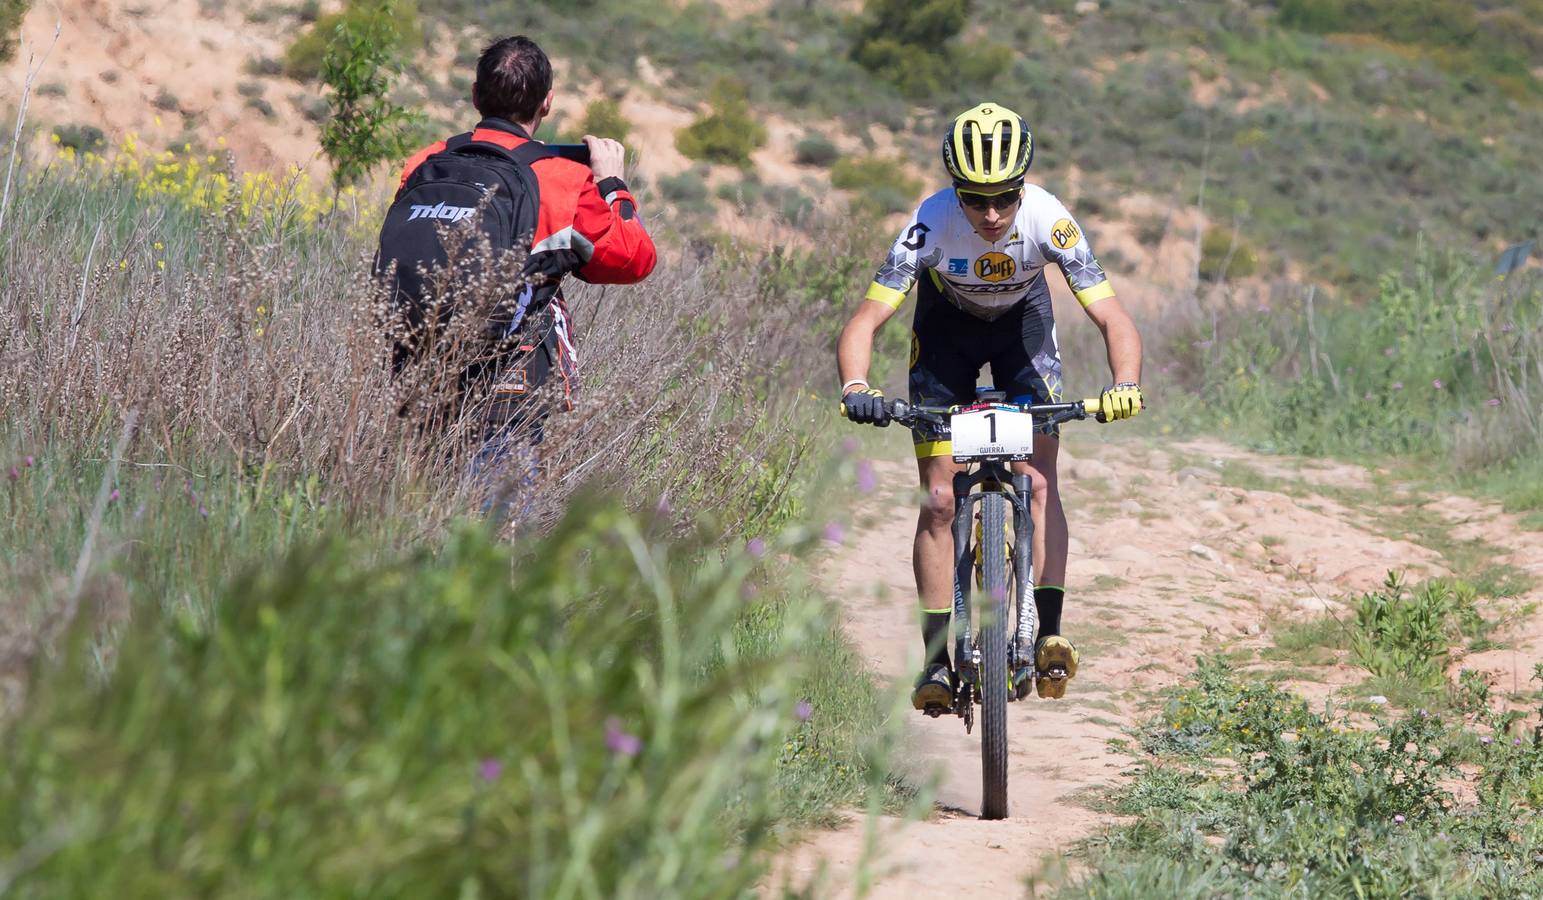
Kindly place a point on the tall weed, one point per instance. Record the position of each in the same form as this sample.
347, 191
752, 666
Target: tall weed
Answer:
590, 715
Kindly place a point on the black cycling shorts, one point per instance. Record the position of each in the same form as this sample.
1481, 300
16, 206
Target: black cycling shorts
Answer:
949, 347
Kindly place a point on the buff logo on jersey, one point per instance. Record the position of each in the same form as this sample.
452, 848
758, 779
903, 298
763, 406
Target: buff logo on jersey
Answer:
995, 266
1064, 234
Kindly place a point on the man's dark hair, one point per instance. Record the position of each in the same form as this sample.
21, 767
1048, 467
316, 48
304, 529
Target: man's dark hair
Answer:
513, 77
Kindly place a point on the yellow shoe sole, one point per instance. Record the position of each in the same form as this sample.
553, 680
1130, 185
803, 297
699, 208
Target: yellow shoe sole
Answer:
1055, 653
932, 695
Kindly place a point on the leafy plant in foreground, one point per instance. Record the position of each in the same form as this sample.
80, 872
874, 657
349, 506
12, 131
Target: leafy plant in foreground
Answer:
603, 714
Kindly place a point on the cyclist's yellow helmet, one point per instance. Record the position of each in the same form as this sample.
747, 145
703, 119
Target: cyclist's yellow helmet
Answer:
988, 145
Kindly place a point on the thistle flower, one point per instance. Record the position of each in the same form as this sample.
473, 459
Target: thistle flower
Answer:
618, 741
803, 711
867, 479
834, 533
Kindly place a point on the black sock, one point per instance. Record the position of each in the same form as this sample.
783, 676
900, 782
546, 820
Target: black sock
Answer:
1048, 601
935, 635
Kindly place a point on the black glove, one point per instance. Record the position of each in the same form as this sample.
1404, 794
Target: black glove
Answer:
866, 407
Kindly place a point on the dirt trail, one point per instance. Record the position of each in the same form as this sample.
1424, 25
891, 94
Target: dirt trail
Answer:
1182, 567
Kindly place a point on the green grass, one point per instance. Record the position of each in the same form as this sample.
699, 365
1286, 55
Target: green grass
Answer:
288, 662
348, 721
1312, 642
1313, 805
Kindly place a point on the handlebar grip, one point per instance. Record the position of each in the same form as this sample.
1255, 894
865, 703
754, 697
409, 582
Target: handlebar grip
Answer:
1092, 407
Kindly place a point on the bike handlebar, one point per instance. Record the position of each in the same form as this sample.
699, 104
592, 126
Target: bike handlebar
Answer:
904, 413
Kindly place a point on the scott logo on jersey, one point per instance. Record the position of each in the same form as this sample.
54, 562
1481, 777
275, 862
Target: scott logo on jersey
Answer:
995, 266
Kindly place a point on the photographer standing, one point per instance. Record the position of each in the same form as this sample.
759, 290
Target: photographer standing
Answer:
568, 217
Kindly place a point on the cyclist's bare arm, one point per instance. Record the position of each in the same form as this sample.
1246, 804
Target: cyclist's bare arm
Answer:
854, 351
1120, 338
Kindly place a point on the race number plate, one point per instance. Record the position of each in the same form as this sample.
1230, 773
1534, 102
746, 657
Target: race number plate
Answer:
992, 434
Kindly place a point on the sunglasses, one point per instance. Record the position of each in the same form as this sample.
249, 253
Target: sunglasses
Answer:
983, 202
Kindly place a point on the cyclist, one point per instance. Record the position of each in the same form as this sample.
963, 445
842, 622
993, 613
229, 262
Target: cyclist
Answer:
976, 252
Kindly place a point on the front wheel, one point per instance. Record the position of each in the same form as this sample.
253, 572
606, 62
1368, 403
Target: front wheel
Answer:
995, 679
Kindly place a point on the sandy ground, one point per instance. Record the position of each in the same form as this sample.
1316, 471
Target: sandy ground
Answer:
1183, 566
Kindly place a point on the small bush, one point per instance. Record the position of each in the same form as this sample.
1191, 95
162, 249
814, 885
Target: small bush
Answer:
53, 89
11, 14
603, 118
728, 134
880, 185
80, 138
688, 190
249, 88
263, 107
303, 59
166, 101
906, 43
1225, 255
341, 725
815, 149
263, 66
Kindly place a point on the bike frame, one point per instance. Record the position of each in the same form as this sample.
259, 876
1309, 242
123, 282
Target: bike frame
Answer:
990, 477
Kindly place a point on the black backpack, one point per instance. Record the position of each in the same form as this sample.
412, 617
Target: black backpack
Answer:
446, 188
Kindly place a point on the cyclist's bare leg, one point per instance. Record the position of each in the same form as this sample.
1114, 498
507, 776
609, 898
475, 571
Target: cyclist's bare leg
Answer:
933, 554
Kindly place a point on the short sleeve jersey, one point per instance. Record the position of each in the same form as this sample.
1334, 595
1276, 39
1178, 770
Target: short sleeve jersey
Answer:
983, 278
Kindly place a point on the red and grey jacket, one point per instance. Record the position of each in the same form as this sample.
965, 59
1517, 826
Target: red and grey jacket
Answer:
594, 228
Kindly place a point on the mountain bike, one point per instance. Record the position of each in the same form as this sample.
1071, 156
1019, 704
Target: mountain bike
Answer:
992, 551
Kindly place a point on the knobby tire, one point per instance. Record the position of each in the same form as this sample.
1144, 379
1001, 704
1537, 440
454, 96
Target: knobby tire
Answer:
994, 676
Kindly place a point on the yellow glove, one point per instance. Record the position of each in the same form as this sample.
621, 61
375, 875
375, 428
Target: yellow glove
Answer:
1120, 401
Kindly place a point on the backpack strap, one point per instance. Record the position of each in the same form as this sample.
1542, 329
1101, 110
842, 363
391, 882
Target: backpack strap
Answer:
524, 155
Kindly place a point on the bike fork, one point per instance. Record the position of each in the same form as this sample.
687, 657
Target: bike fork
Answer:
1027, 627
964, 660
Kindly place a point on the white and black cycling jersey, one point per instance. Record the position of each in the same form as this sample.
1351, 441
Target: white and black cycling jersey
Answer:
983, 278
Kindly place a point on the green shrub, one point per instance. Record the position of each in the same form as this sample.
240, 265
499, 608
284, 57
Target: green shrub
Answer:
11, 14
1320, 805
880, 185
602, 709
815, 149
1225, 255
264, 66
603, 118
80, 138
727, 134
688, 190
365, 126
402, 32
906, 43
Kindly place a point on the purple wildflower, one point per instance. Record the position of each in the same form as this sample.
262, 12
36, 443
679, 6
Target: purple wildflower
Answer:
203, 511
803, 711
1399, 820
28, 461
756, 547
490, 769
619, 741
1398, 385
849, 445
1516, 743
1493, 401
663, 506
113, 496
1437, 384
1486, 739
834, 533
867, 480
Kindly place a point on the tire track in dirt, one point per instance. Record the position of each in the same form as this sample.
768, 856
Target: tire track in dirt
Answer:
1183, 566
